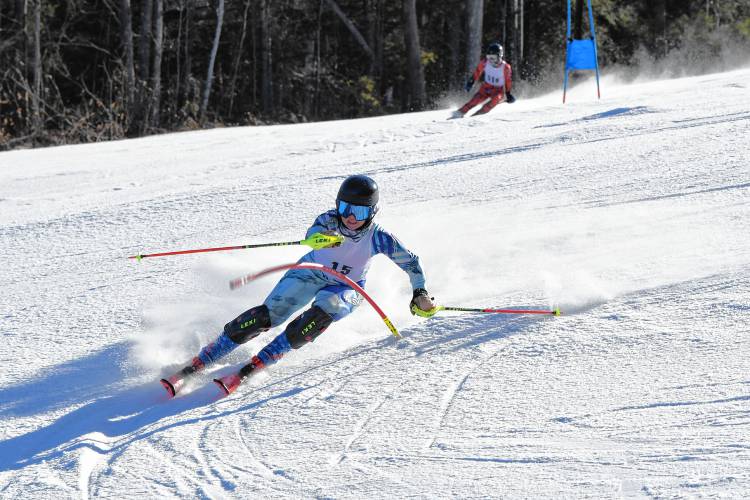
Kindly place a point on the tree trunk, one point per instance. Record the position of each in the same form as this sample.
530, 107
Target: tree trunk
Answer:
156, 69
516, 46
378, 35
474, 27
504, 22
520, 32
126, 38
371, 7
36, 93
455, 36
660, 27
188, 60
415, 73
144, 44
267, 58
352, 28
238, 59
21, 63
212, 60
316, 98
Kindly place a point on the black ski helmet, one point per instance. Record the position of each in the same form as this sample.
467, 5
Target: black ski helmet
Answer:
495, 49
359, 190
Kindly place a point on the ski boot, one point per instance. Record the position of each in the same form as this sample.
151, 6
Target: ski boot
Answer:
231, 382
174, 383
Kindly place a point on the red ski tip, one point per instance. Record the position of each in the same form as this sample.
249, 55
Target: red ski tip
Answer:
229, 383
169, 387
173, 384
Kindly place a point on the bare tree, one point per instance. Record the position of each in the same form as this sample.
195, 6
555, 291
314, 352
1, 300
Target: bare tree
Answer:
414, 71
516, 35
238, 58
519, 30
36, 92
316, 103
188, 61
212, 59
455, 36
660, 27
144, 44
352, 28
474, 27
156, 69
374, 36
266, 57
126, 38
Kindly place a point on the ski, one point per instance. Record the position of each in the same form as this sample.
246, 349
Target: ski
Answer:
228, 384
174, 383
231, 382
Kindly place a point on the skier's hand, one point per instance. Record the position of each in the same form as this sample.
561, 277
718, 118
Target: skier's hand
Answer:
469, 84
336, 237
509, 98
326, 239
422, 304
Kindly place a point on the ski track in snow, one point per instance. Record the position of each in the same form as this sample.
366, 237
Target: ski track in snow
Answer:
630, 213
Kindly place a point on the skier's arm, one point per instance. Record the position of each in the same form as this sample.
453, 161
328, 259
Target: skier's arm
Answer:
325, 223
387, 244
508, 73
480, 69
476, 75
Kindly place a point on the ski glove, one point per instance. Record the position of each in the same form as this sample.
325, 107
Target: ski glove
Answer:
509, 98
469, 84
422, 304
326, 239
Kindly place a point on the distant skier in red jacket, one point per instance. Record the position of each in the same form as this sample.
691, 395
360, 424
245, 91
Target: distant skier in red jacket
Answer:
495, 75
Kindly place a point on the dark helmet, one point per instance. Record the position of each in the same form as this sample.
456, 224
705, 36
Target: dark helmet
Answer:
495, 49
359, 190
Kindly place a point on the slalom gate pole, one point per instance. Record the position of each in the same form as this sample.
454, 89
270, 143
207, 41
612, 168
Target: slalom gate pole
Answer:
238, 282
554, 312
316, 241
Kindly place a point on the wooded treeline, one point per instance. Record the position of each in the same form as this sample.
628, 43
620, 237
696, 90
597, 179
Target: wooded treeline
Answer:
89, 70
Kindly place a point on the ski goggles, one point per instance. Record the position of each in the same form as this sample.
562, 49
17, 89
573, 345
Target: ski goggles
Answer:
493, 58
359, 212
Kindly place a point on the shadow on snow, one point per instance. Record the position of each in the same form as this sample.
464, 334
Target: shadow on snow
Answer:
135, 413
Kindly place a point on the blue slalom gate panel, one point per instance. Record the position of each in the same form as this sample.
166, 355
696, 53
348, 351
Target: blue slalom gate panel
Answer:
581, 54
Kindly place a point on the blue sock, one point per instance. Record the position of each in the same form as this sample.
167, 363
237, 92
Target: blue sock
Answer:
217, 349
275, 350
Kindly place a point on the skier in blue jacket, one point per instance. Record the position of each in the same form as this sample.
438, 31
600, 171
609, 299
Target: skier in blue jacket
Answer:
332, 300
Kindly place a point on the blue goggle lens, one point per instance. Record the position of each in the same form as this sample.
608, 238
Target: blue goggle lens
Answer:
360, 213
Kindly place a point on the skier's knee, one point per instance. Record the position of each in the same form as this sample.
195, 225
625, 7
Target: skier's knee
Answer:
307, 326
248, 325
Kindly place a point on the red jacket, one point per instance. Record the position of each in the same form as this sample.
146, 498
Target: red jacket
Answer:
492, 81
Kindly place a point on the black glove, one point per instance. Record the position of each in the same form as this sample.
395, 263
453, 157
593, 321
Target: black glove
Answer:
509, 98
414, 306
469, 84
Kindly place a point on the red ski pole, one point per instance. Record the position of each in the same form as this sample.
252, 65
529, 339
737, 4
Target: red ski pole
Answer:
427, 314
554, 312
316, 241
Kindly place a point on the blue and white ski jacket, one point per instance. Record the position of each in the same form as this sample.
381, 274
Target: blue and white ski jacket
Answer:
354, 255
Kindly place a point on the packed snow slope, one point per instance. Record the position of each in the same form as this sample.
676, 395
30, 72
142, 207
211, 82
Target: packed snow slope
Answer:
630, 213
